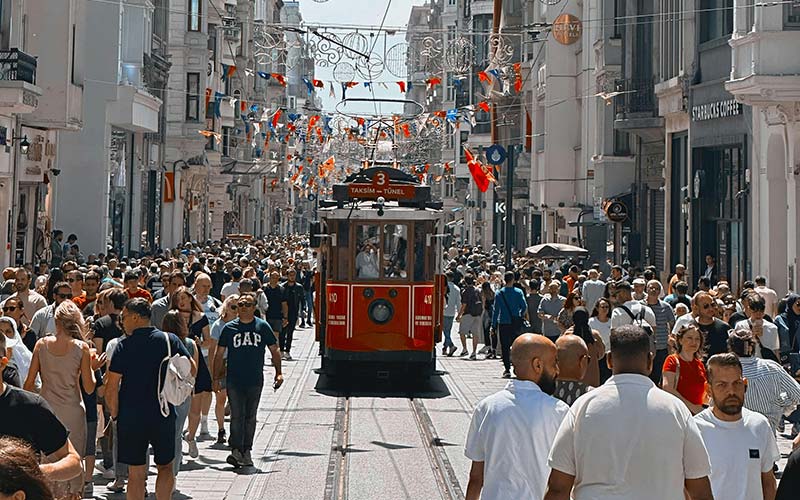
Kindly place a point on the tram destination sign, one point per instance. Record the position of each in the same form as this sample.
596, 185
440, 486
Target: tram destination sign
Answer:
389, 191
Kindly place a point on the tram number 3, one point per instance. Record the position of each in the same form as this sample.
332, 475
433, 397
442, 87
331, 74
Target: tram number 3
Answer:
380, 179
428, 299
333, 298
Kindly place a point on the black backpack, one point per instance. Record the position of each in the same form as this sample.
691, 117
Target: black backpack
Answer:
639, 321
475, 304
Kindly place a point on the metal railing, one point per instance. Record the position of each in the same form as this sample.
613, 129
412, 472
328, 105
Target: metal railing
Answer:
16, 65
638, 96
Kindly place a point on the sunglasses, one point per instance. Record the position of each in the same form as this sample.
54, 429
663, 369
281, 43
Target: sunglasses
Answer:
247, 304
64, 295
10, 308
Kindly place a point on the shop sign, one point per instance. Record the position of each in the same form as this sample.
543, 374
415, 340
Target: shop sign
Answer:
717, 109
567, 29
616, 211
41, 155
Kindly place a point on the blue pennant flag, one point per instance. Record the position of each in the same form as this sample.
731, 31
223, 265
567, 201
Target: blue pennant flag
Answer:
495, 73
264, 75
309, 85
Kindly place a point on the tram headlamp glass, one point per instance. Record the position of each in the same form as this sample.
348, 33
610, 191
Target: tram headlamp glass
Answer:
381, 311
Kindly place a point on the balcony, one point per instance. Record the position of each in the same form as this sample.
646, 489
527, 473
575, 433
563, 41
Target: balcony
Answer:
18, 91
636, 109
134, 109
764, 57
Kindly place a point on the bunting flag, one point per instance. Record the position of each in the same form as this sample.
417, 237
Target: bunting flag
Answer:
458, 83
263, 74
228, 71
309, 85
243, 107
350, 85
273, 184
495, 73
218, 103
208, 96
311, 122
318, 83
406, 130
275, 118
332, 93
477, 171
327, 167
281, 79
518, 79
484, 77
368, 85
484, 106
433, 81
402, 86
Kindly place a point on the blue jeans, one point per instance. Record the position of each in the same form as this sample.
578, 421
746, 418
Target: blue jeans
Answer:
309, 304
244, 407
181, 414
447, 328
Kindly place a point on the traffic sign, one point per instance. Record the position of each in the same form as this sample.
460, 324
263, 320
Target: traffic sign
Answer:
495, 154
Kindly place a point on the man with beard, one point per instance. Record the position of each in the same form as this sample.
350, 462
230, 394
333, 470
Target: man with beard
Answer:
31, 301
616, 435
740, 444
512, 430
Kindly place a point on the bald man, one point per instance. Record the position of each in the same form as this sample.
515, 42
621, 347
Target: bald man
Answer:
512, 430
573, 361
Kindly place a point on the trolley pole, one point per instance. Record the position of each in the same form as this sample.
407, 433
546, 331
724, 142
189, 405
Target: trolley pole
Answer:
509, 203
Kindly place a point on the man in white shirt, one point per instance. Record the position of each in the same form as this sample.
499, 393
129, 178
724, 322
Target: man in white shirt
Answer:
593, 289
740, 443
43, 322
636, 311
764, 331
512, 431
628, 439
770, 296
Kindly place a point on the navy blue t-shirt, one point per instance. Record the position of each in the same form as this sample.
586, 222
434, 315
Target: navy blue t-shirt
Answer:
275, 300
246, 344
137, 358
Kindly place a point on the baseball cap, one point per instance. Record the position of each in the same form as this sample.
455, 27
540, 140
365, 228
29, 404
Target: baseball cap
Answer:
639, 281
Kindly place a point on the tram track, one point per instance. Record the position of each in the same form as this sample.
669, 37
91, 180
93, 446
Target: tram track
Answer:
337, 481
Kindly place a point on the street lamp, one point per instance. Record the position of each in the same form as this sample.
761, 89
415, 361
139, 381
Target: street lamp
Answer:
24, 145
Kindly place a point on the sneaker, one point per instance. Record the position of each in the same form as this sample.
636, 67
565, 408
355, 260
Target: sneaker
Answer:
247, 460
283, 355
193, 451
452, 350
473, 357
490, 355
235, 458
288, 357
117, 486
463, 353
302, 325
221, 436
506, 374
106, 473
88, 490
484, 350
204, 429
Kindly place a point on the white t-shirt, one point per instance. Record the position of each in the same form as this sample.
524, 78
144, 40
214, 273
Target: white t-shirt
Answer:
230, 288
620, 318
739, 452
511, 432
604, 329
629, 440
592, 291
770, 299
769, 337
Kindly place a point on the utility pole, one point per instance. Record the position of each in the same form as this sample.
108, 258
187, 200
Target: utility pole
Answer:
512, 149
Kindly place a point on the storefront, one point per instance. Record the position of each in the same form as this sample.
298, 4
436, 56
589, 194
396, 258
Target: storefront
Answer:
720, 142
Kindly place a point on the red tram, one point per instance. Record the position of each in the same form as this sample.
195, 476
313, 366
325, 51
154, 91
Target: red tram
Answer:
380, 291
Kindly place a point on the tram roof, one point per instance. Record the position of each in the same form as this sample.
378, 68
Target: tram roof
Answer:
367, 210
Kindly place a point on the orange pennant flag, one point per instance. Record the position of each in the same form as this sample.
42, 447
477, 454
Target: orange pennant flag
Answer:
433, 81
406, 130
484, 106
281, 79
402, 86
484, 77
275, 118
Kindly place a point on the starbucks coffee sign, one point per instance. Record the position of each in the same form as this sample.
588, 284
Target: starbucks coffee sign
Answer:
717, 109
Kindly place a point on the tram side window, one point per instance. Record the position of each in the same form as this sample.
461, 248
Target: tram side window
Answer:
367, 246
419, 251
342, 250
395, 251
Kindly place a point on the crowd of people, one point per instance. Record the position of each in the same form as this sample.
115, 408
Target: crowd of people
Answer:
624, 387
90, 356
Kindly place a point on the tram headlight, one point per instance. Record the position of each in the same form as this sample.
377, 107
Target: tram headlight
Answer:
381, 311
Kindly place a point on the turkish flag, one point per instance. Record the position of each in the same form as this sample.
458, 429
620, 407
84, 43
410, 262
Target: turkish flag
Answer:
478, 173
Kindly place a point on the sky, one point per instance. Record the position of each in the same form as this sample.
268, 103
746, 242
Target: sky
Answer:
366, 13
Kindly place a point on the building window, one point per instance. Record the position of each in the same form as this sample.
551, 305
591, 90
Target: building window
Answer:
622, 143
195, 15
449, 187
619, 18
792, 16
671, 39
192, 97
716, 19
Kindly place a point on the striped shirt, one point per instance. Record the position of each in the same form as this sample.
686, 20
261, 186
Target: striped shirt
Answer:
664, 315
769, 388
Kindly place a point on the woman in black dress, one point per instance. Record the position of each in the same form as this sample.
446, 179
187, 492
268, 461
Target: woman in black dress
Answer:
192, 312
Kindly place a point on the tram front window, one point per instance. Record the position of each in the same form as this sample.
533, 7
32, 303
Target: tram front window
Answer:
395, 251
368, 244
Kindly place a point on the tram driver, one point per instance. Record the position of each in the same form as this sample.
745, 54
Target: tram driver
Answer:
367, 262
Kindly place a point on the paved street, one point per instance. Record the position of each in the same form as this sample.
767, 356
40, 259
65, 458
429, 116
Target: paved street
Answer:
297, 446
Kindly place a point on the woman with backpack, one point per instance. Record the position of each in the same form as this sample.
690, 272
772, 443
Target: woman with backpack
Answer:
174, 323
